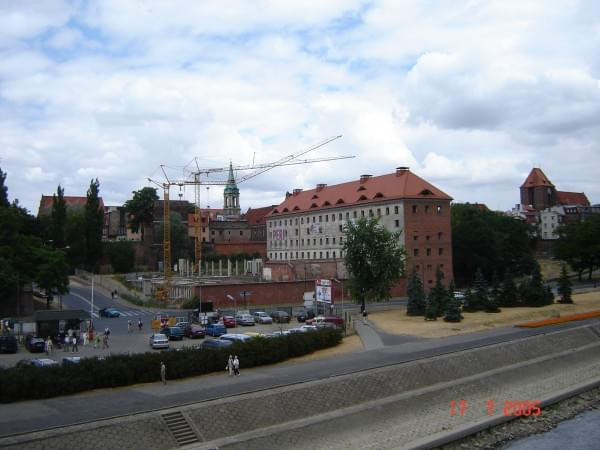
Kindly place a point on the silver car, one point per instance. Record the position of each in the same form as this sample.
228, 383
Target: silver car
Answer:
262, 317
159, 340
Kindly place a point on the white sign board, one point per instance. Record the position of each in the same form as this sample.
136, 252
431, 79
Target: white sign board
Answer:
323, 290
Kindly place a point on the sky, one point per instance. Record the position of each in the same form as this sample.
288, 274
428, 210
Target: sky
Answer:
471, 95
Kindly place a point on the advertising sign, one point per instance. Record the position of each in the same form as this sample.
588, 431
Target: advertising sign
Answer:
323, 290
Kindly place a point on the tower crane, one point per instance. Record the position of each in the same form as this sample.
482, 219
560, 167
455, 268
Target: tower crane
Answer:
194, 178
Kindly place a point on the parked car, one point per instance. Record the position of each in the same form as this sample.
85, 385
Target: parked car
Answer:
304, 315
173, 333
182, 325
34, 344
335, 320
194, 331
245, 319
278, 333
262, 317
229, 321
215, 343
37, 362
109, 312
235, 337
280, 317
71, 360
8, 343
159, 340
309, 328
215, 329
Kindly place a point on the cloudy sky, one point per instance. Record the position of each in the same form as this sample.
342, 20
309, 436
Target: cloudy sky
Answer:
470, 94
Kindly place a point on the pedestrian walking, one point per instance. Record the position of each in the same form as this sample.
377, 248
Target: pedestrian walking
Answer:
97, 341
140, 324
105, 341
163, 372
129, 326
85, 338
229, 366
236, 365
75, 347
67, 343
48, 346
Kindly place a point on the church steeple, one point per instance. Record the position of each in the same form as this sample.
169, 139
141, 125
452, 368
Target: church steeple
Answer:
231, 196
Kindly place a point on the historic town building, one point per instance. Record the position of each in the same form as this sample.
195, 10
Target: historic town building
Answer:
308, 226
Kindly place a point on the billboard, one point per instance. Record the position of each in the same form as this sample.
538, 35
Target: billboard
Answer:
323, 290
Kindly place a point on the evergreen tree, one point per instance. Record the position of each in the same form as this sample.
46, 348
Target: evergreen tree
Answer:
452, 310
58, 218
508, 295
94, 221
533, 292
4, 203
431, 308
564, 286
469, 300
439, 293
479, 297
416, 295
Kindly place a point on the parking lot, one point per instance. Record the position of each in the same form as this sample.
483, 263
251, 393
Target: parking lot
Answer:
134, 342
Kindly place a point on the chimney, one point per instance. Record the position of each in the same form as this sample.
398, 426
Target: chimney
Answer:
297, 191
321, 186
364, 178
287, 195
400, 170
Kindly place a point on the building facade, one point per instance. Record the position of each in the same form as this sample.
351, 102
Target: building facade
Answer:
308, 226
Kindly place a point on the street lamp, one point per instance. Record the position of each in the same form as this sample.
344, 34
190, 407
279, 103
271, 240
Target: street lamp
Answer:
231, 297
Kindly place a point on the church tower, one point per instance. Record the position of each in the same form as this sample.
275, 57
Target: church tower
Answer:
231, 196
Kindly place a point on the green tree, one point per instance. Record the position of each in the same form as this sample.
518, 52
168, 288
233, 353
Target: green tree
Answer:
122, 256
141, 209
480, 296
3, 191
564, 285
374, 258
75, 238
58, 217
416, 295
533, 291
452, 309
52, 271
94, 221
579, 245
180, 241
438, 296
508, 295
490, 241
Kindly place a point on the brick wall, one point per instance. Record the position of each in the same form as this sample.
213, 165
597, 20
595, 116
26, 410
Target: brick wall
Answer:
231, 248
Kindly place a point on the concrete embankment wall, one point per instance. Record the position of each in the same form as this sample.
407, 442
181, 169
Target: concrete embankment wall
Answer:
254, 419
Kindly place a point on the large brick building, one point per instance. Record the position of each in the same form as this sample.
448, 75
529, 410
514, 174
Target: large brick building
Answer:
307, 227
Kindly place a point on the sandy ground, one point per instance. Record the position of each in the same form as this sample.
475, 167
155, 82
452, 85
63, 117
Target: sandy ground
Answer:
348, 345
397, 322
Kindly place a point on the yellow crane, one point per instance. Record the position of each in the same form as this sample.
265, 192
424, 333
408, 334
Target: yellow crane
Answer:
195, 179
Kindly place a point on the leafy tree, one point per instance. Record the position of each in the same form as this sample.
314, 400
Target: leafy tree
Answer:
564, 285
416, 295
452, 309
52, 271
58, 218
508, 296
122, 256
579, 245
75, 238
374, 258
490, 241
141, 209
180, 241
3, 191
94, 221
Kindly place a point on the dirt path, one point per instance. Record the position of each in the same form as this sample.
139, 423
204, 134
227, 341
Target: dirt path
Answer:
397, 322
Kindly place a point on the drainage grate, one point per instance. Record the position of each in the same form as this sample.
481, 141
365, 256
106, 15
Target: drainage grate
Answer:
180, 428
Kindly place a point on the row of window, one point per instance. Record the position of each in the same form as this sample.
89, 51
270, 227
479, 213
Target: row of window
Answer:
301, 242
428, 252
427, 237
305, 255
326, 217
212, 232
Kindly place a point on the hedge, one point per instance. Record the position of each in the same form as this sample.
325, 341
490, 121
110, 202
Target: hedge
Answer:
28, 382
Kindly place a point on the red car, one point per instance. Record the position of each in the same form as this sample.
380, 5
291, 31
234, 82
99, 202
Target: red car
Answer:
229, 321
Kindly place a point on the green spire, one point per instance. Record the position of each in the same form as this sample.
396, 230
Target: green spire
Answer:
231, 187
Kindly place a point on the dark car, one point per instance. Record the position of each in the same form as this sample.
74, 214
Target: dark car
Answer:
304, 315
109, 312
35, 344
280, 317
8, 343
216, 343
173, 333
215, 329
194, 331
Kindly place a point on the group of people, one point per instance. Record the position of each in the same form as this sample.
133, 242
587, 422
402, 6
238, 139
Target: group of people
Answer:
140, 325
70, 342
233, 365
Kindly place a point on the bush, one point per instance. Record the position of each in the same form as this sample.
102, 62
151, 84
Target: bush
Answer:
22, 383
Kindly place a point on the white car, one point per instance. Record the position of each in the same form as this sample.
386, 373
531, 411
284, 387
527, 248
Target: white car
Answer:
235, 337
159, 340
262, 317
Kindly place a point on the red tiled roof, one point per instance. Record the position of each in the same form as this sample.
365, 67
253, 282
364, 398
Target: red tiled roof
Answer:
536, 178
257, 216
70, 201
403, 184
572, 198
211, 213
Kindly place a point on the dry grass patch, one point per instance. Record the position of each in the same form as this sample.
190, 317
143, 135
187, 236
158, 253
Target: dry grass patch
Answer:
349, 344
397, 322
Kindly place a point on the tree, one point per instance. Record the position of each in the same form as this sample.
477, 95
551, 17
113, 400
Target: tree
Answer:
122, 256
437, 298
3, 191
508, 295
374, 258
94, 221
141, 209
533, 292
58, 218
479, 297
452, 309
52, 272
579, 245
75, 238
564, 285
490, 241
180, 241
416, 295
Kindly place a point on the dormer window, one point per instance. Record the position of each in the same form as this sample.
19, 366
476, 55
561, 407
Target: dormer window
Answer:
378, 195
315, 196
361, 188
425, 192
339, 201
326, 203
362, 197
314, 205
